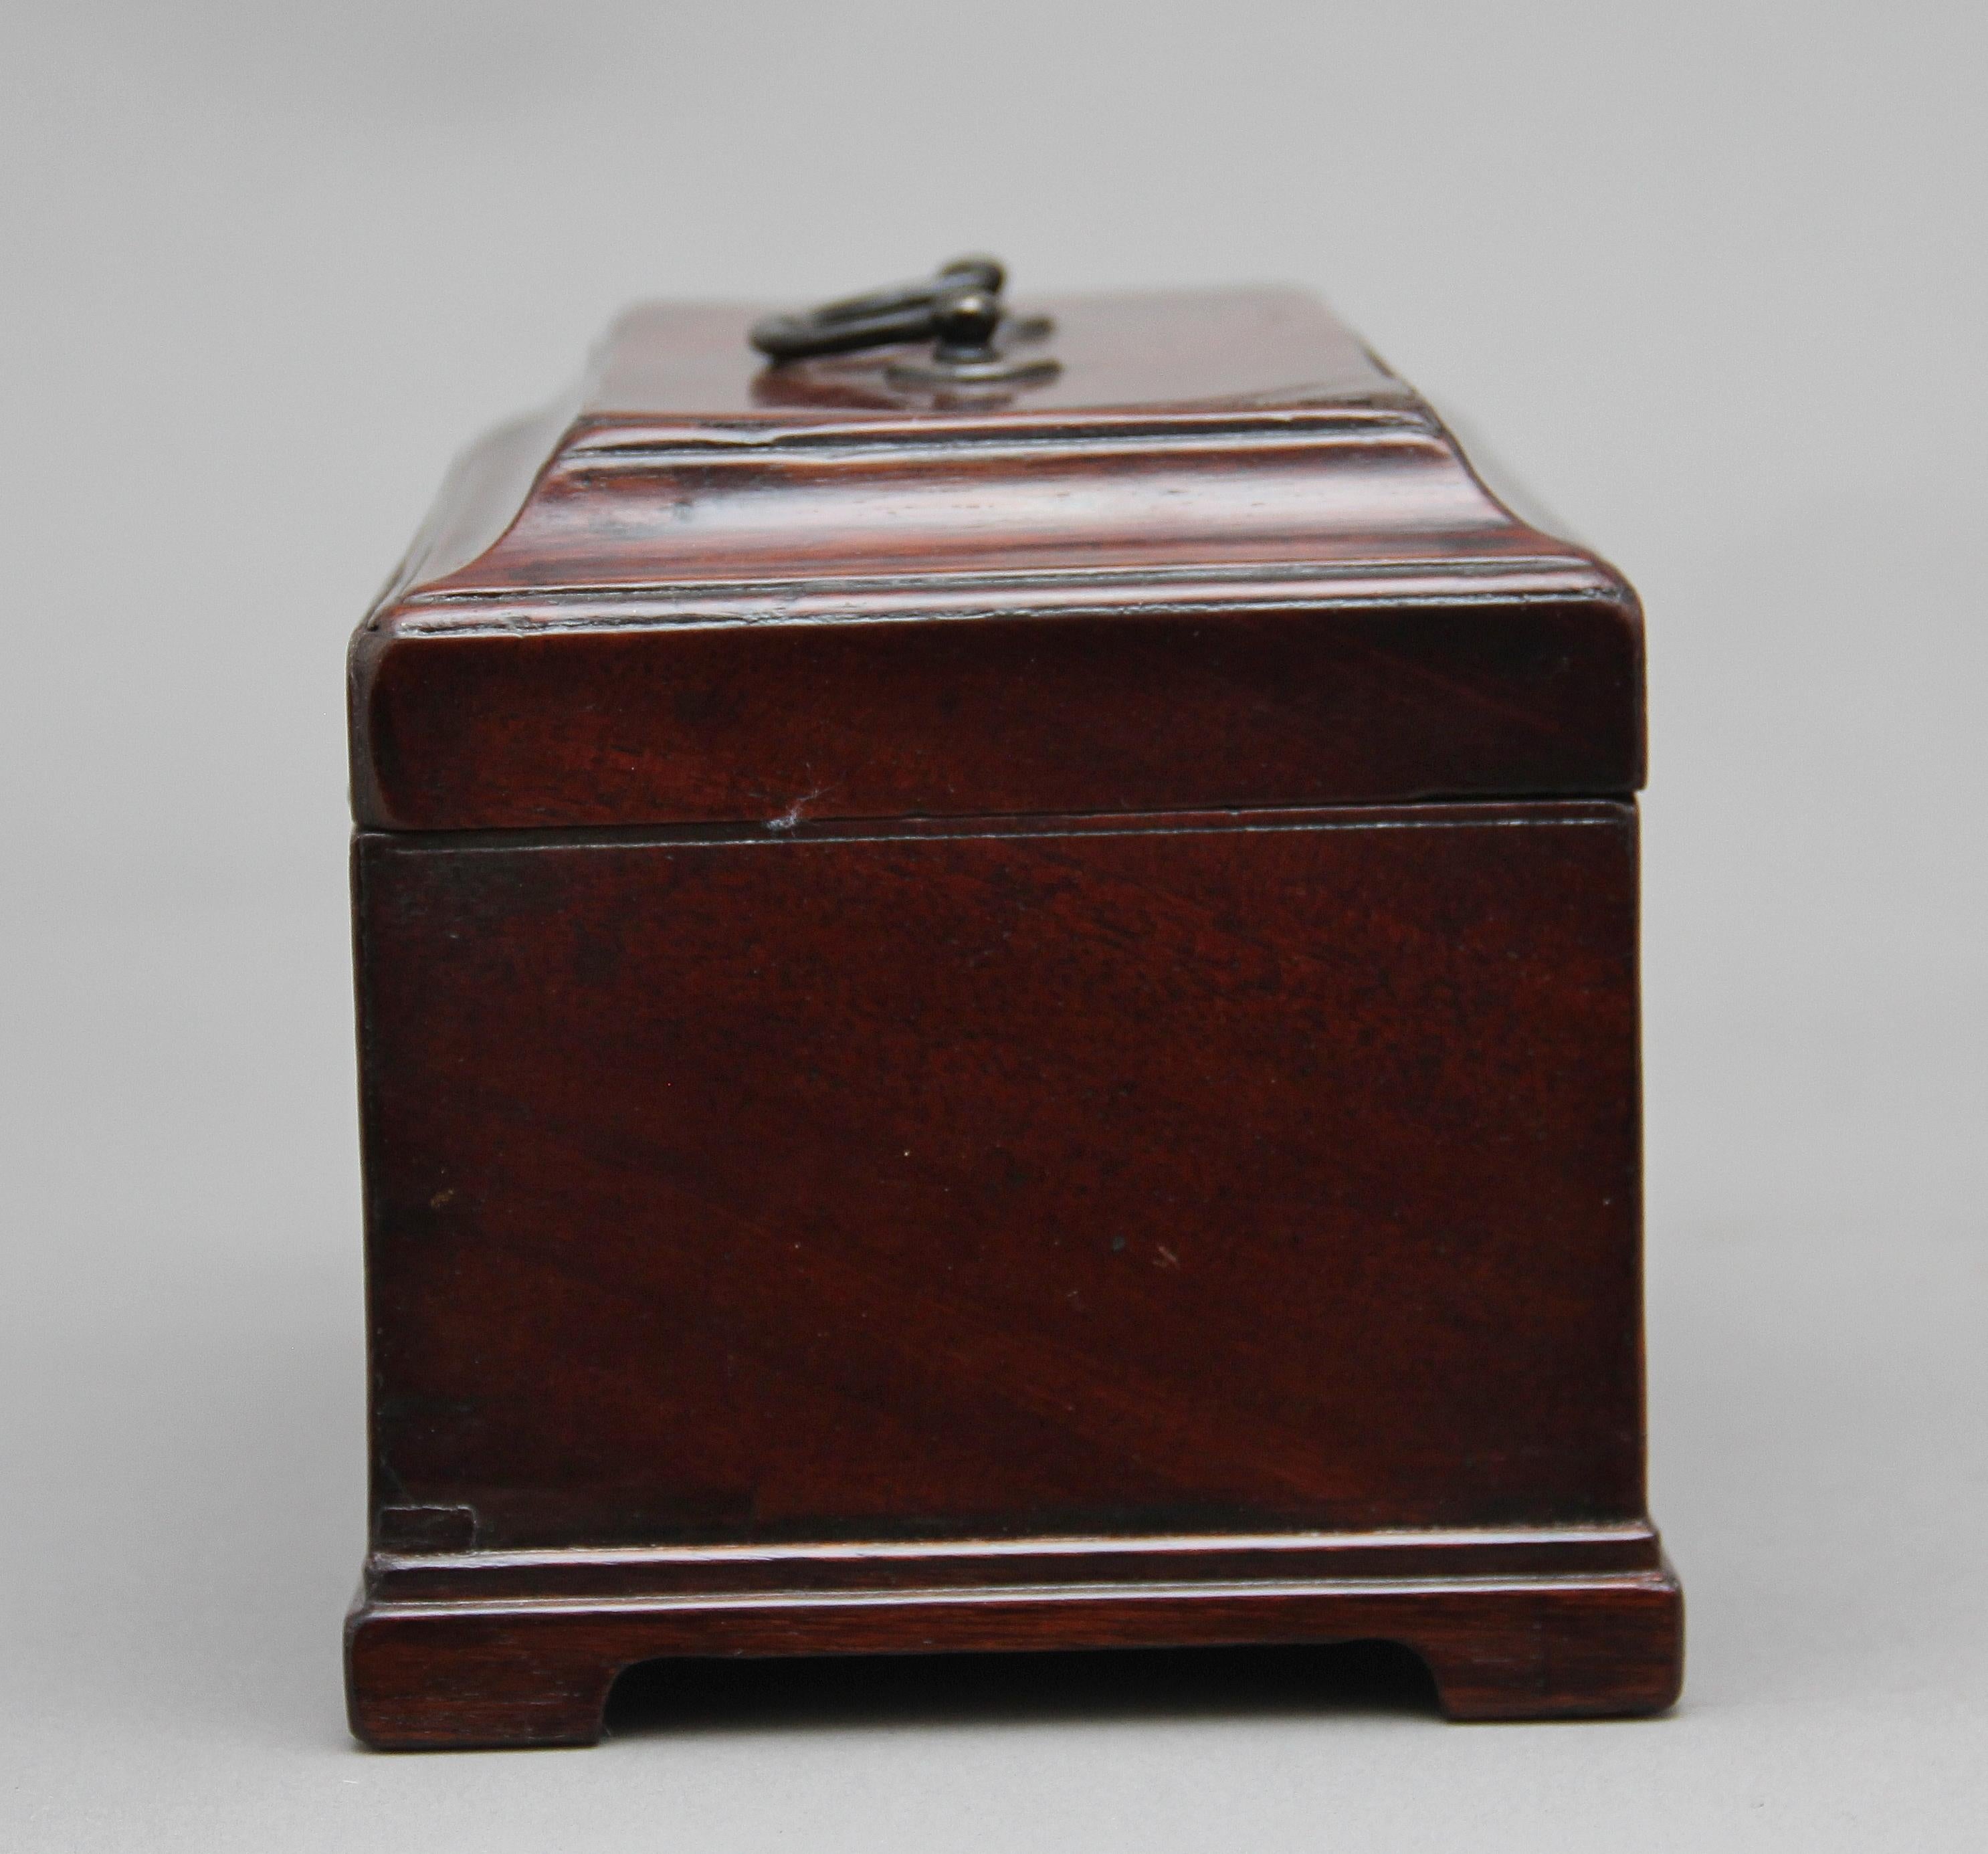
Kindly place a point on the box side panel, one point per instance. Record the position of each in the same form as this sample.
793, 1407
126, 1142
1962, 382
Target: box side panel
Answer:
1266, 1172
530, 725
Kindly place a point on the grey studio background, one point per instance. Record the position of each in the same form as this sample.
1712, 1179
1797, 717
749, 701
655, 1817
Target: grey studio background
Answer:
1711, 277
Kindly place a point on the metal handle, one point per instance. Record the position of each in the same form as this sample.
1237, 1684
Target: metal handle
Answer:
959, 309
876, 319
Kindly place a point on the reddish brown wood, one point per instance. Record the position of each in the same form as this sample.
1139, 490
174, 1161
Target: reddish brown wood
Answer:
1130, 591
908, 1105
872, 1183
423, 1677
409, 1573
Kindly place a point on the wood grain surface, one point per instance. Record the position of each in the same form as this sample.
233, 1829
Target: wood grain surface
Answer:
1293, 590
998, 1024
468, 1675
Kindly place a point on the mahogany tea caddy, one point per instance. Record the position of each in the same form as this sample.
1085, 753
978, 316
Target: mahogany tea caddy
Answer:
998, 1005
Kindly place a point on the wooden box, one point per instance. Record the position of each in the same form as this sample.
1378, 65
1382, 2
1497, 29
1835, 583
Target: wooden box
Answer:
997, 1018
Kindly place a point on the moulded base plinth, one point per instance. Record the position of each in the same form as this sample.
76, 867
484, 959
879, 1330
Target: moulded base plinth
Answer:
527, 1670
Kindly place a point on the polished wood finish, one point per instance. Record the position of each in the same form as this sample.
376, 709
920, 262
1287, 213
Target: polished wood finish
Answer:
883, 1190
942, 1066
539, 1674
741, 611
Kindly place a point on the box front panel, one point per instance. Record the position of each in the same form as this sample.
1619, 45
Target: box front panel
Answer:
1257, 1172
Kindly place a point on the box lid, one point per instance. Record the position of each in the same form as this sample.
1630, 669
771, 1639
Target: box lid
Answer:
1224, 557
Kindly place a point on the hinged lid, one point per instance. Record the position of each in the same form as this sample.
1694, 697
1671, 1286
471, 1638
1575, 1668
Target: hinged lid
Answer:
1214, 555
